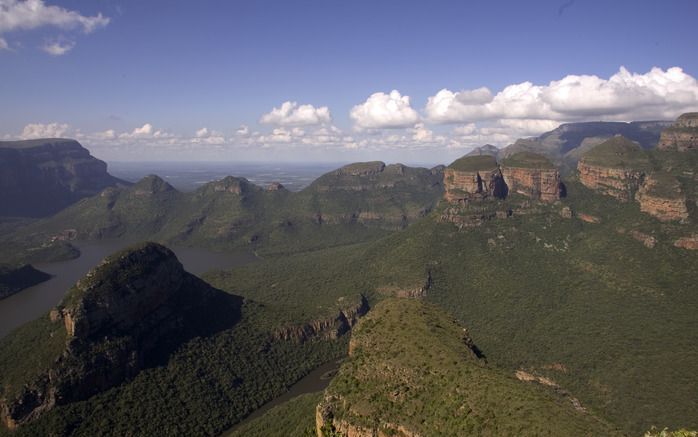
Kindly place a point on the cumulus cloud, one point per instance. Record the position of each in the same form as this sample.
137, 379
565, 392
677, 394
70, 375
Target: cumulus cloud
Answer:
39, 130
624, 96
381, 111
58, 48
243, 130
31, 14
292, 114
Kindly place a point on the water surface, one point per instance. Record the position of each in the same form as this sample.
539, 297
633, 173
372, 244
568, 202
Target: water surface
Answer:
35, 301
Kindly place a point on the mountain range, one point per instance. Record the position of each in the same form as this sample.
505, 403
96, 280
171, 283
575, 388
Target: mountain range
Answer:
499, 295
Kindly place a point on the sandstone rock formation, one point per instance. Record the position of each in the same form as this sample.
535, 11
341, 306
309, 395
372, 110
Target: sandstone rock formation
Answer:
473, 177
615, 168
682, 135
126, 314
619, 168
661, 196
327, 328
41, 177
690, 242
533, 176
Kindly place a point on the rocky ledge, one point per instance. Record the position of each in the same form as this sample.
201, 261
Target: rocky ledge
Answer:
328, 328
534, 176
682, 135
127, 314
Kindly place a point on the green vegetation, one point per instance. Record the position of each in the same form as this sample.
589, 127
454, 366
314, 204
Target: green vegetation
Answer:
295, 417
411, 367
208, 385
618, 152
527, 160
28, 352
474, 163
339, 208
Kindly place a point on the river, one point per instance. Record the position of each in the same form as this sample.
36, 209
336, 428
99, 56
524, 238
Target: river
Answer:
314, 381
32, 302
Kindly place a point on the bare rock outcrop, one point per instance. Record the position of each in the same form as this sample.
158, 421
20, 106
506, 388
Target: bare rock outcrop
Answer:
661, 197
328, 328
689, 242
533, 176
614, 168
473, 177
682, 135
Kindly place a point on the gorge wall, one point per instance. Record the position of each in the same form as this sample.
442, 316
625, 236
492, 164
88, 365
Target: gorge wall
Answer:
682, 135
41, 177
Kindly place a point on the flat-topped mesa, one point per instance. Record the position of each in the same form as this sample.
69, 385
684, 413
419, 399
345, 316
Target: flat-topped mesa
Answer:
125, 315
533, 175
661, 196
615, 168
473, 177
230, 184
40, 177
361, 169
682, 135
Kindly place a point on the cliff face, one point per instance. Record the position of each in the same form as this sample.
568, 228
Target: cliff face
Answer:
619, 168
41, 177
536, 183
327, 328
616, 182
661, 197
127, 314
682, 135
477, 177
473, 177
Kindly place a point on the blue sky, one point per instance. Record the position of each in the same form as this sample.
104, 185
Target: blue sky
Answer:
141, 79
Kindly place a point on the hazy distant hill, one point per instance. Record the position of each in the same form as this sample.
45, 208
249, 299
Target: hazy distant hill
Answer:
565, 144
41, 177
347, 205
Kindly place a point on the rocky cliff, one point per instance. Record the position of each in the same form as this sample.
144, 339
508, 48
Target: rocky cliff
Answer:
326, 328
127, 314
41, 177
615, 168
621, 169
682, 135
473, 177
661, 196
533, 176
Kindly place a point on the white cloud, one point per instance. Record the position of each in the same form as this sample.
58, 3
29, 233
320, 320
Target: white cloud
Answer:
3, 44
382, 111
31, 14
58, 48
292, 114
243, 130
624, 96
39, 130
